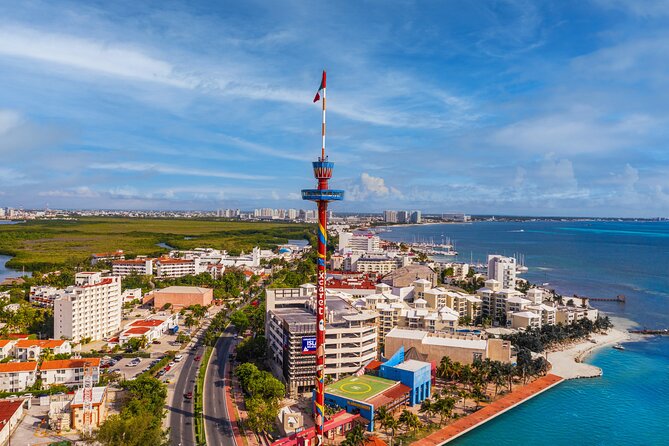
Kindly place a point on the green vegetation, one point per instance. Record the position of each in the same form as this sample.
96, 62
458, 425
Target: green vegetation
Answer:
43, 245
262, 392
140, 420
252, 349
538, 339
199, 402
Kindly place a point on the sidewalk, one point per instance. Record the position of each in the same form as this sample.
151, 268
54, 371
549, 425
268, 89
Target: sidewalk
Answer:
507, 402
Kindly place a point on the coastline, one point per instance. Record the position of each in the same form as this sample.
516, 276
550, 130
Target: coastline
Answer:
568, 363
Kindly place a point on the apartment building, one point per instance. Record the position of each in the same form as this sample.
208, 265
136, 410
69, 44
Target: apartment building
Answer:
359, 241
31, 349
16, 376
69, 372
502, 269
140, 266
290, 328
44, 295
170, 268
6, 348
89, 309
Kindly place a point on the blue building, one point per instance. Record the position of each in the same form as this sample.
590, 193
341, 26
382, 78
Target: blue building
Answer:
417, 375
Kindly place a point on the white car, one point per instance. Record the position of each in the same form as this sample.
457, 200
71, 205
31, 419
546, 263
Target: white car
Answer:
178, 358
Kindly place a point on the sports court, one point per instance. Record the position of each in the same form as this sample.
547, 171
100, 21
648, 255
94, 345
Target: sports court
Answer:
360, 388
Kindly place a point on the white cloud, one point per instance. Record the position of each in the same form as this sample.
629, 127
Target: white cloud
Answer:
371, 187
79, 53
171, 170
9, 119
78, 192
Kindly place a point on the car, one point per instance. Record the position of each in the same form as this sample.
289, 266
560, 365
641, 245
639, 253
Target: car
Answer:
157, 342
198, 357
178, 358
188, 396
161, 373
167, 368
28, 395
116, 371
172, 364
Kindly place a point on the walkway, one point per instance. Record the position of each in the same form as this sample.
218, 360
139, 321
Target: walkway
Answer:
507, 402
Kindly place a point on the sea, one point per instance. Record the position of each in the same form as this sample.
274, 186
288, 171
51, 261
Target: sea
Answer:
4, 271
629, 404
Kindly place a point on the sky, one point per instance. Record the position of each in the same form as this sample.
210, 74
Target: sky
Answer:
489, 107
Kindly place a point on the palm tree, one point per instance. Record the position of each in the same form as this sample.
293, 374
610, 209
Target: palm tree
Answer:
392, 424
410, 420
355, 437
190, 321
444, 407
427, 409
382, 416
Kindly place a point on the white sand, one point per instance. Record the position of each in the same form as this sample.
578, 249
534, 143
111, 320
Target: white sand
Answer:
567, 363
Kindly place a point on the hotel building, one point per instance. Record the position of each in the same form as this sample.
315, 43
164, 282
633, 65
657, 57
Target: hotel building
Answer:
290, 327
90, 309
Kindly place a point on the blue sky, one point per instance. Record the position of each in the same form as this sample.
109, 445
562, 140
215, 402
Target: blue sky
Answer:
516, 107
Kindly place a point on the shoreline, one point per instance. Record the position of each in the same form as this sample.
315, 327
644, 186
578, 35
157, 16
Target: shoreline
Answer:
568, 363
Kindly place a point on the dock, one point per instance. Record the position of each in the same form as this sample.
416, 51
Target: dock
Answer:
659, 331
620, 298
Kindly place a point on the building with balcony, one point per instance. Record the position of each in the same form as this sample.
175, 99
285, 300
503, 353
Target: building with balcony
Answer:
16, 376
69, 372
31, 349
89, 309
290, 328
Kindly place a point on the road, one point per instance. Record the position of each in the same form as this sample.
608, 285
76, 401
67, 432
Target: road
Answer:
181, 409
216, 420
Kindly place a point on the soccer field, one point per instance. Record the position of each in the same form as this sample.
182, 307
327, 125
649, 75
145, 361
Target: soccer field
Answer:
359, 388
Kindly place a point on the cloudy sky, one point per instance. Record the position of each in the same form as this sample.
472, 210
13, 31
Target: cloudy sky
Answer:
515, 107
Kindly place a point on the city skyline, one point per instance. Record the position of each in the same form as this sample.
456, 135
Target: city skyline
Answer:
496, 108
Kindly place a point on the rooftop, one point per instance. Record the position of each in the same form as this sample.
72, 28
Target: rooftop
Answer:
43, 343
183, 290
8, 408
413, 366
360, 388
69, 363
13, 367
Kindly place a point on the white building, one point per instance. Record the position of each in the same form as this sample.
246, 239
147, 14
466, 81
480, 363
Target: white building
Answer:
16, 376
69, 372
90, 309
502, 269
390, 216
171, 268
139, 266
290, 323
44, 295
359, 241
132, 294
152, 328
31, 349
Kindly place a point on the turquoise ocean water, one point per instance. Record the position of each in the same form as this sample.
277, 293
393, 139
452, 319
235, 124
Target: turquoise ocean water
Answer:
629, 405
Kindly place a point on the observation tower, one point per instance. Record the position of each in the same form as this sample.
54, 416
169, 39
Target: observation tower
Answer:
322, 195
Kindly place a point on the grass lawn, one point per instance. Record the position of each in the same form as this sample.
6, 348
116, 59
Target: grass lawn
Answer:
360, 388
45, 244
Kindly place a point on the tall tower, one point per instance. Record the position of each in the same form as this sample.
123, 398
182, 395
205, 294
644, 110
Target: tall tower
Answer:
322, 196
88, 398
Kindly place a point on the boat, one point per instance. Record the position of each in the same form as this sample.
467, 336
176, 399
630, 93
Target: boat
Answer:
619, 347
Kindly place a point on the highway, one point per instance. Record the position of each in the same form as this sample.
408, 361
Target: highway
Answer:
216, 420
181, 411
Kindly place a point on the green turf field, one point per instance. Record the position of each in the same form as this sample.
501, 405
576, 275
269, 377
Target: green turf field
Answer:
359, 388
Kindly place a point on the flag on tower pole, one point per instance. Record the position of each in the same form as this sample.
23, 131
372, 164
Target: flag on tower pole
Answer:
321, 88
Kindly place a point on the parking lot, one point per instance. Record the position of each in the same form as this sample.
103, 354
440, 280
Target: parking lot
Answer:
129, 372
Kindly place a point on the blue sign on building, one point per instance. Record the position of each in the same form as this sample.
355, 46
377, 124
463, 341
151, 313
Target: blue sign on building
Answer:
308, 345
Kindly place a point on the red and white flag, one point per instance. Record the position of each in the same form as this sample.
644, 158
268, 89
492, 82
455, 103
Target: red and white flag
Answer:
321, 88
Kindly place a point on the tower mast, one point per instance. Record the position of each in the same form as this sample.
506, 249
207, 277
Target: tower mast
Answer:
322, 196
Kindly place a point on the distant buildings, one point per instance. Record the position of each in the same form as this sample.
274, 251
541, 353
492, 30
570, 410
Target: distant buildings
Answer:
391, 216
89, 309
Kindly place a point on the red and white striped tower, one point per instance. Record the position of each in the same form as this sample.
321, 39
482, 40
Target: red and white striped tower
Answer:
322, 195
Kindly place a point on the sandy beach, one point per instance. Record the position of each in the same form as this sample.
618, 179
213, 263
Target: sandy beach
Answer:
568, 363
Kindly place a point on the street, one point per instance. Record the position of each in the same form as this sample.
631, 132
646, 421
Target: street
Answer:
181, 409
216, 420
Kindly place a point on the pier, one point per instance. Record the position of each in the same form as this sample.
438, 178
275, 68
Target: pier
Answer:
620, 298
660, 331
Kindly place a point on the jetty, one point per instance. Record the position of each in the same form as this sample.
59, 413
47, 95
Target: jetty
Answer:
659, 331
620, 298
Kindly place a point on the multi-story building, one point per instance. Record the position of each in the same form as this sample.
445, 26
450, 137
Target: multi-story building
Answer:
69, 372
380, 264
179, 297
416, 217
403, 217
390, 216
502, 269
31, 349
44, 295
6, 348
290, 327
434, 346
89, 309
359, 241
140, 266
16, 376
171, 268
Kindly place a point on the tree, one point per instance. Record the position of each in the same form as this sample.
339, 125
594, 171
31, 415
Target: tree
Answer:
427, 409
410, 420
355, 437
240, 320
139, 430
261, 413
443, 406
